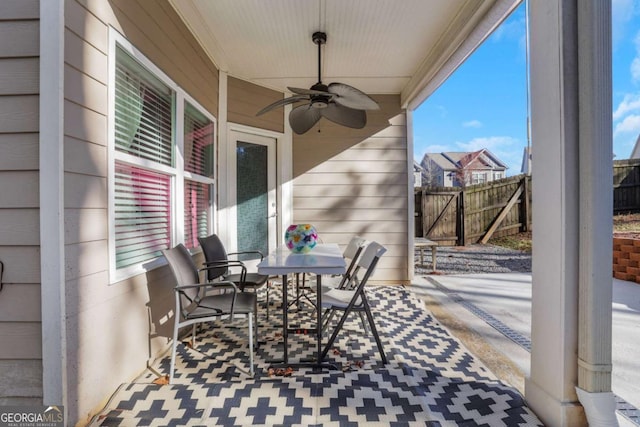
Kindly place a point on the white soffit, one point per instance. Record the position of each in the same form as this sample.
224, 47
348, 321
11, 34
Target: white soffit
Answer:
380, 47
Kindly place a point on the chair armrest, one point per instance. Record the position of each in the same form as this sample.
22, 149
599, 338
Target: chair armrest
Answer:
248, 252
219, 284
217, 264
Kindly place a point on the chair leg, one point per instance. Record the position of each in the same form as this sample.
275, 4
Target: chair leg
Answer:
335, 333
268, 287
250, 316
255, 314
174, 344
372, 325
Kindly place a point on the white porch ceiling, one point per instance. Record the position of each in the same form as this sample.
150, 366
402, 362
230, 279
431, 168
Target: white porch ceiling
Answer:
379, 46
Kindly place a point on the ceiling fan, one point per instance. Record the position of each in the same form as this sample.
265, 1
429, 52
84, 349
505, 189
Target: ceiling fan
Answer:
337, 102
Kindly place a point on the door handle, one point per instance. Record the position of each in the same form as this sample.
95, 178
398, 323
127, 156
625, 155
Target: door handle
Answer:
273, 215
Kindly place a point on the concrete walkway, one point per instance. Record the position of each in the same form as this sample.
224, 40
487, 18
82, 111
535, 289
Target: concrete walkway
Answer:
498, 307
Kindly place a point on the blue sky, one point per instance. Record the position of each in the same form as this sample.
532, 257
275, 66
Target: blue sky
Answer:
484, 103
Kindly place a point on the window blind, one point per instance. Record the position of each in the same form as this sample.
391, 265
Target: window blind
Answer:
143, 112
142, 214
198, 142
196, 212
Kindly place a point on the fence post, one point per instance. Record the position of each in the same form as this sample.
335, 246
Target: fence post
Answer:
525, 204
460, 219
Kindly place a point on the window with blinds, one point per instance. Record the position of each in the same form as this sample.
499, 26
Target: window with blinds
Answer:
198, 165
142, 214
143, 112
148, 184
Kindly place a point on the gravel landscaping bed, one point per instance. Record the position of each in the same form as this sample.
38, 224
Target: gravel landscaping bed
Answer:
474, 259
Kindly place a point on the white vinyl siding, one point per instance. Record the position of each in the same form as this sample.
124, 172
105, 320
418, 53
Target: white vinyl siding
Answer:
162, 168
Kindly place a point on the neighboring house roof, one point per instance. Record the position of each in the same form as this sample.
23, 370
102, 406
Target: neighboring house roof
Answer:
452, 160
441, 160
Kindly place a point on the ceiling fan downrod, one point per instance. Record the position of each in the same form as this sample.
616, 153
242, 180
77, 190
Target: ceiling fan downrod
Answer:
319, 101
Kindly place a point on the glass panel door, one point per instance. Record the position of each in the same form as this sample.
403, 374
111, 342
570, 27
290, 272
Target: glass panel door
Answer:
255, 199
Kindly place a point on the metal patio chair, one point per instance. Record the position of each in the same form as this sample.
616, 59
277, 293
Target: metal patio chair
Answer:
219, 267
194, 305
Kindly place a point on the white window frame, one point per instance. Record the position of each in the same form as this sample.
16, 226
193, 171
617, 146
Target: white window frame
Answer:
176, 172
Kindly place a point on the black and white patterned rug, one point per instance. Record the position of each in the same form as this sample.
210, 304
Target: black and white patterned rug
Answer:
431, 379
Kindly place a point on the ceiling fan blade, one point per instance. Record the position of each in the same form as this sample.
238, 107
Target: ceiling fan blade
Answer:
351, 97
281, 102
301, 91
345, 116
303, 117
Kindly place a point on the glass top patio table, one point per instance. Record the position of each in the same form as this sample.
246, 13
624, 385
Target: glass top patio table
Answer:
325, 258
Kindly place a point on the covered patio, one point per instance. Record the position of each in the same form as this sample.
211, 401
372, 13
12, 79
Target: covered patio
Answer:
128, 122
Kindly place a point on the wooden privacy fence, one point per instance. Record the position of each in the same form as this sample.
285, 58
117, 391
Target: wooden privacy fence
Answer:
461, 216
626, 186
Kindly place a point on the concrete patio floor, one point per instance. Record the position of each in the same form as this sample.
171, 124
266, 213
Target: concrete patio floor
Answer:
491, 314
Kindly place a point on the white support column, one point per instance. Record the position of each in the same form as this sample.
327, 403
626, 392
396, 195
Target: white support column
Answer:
52, 282
222, 179
572, 209
550, 389
596, 212
411, 219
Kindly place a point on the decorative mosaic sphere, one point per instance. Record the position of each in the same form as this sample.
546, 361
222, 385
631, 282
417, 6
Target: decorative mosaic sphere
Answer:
301, 238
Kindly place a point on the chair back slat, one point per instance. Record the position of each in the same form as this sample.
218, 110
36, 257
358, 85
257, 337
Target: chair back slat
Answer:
372, 251
183, 268
214, 250
355, 245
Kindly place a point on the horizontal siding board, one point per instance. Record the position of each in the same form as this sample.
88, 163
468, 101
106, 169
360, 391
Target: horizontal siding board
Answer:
343, 238
85, 191
19, 189
19, 151
20, 303
362, 167
82, 89
21, 264
172, 27
19, 38
20, 340
83, 56
312, 215
86, 258
84, 157
384, 203
21, 382
85, 225
19, 113
85, 124
372, 178
364, 190
87, 25
245, 99
361, 228
19, 76
336, 146
19, 9
365, 155
20, 227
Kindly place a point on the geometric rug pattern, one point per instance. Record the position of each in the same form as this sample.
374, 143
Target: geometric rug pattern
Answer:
430, 378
